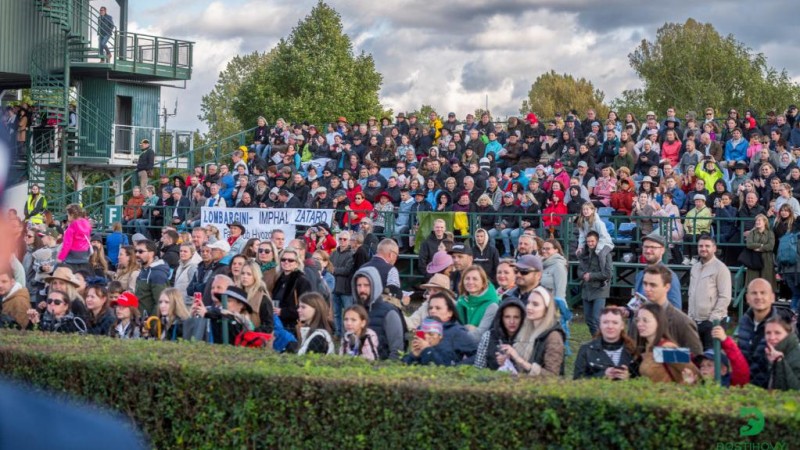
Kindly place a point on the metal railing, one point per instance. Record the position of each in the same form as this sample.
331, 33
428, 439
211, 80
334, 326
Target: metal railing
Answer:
96, 197
138, 48
166, 143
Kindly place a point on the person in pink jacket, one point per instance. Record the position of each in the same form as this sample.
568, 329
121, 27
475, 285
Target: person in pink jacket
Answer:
75, 249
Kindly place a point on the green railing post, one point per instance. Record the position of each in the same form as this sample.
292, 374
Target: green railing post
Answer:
224, 300
717, 358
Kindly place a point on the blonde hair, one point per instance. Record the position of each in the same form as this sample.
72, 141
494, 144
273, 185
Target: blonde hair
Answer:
300, 265
177, 307
327, 260
526, 338
256, 292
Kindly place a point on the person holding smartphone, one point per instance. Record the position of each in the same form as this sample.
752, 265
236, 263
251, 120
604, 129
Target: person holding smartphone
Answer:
652, 327
611, 353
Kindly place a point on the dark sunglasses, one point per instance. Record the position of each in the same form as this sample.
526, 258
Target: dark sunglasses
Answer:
264, 250
524, 272
288, 260
141, 251
55, 301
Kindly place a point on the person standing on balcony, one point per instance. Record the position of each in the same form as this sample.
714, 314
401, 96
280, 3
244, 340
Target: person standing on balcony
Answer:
105, 26
146, 163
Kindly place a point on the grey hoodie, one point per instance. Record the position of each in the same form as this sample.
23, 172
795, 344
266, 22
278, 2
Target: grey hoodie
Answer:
392, 322
554, 275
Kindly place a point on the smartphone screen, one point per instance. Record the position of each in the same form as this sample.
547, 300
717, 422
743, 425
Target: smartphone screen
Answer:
420, 334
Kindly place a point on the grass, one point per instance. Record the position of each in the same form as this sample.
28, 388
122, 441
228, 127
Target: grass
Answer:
579, 335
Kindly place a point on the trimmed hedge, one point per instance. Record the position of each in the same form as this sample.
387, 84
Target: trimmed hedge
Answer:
199, 396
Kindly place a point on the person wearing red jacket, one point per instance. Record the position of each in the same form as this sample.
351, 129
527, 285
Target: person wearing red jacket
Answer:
555, 211
622, 200
734, 369
319, 237
357, 210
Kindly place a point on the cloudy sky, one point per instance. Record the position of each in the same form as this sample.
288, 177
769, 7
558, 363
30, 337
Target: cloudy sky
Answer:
454, 54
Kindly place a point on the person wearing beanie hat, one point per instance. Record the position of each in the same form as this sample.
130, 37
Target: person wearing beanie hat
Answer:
128, 325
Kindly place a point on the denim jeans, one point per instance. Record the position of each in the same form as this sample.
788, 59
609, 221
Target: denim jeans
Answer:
505, 235
340, 303
591, 311
141, 226
104, 44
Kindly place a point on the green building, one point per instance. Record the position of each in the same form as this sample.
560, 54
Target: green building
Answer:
90, 110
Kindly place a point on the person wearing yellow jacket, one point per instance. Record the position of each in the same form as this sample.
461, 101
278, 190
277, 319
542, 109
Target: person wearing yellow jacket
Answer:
35, 206
696, 223
708, 172
436, 126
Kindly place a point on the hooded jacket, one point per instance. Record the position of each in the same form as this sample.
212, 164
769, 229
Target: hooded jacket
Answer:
554, 275
385, 319
152, 280
497, 335
456, 347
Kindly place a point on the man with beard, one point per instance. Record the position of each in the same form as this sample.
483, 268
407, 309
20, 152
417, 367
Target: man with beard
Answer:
153, 278
385, 319
261, 193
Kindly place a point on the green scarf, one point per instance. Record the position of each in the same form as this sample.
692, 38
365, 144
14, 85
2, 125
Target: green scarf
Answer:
471, 308
268, 266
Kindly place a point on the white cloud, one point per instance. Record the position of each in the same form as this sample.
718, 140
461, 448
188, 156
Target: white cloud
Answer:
449, 54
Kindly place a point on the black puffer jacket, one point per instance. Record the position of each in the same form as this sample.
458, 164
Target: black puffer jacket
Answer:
752, 344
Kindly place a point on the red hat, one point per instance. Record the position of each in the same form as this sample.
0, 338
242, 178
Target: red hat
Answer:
342, 119
384, 194
558, 165
531, 117
126, 299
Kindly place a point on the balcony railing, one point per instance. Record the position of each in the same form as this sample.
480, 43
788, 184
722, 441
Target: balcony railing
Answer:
166, 144
144, 51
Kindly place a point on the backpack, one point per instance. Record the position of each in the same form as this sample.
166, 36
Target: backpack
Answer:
787, 249
253, 339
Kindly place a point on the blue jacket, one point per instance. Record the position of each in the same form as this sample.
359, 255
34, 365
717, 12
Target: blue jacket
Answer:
226, 185
281, 339
674, 294
455, 347
404, 213
726, 229
738, 153
113, 242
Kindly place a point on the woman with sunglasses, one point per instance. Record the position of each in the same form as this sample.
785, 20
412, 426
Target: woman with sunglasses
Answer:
57, 318
291, 284
610, 354
267, 259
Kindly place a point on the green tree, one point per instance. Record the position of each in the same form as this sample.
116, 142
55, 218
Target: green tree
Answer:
691, 66
630, 101
313, 75
552, 92
424, 113
216, 108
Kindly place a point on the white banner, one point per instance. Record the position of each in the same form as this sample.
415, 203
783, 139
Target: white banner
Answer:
259, 223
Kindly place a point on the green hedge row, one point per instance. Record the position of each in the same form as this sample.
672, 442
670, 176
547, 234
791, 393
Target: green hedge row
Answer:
199, 396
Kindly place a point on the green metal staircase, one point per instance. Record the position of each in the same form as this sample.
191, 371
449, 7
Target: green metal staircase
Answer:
52, 94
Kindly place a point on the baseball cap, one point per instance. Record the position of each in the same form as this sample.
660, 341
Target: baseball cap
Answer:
220, 244
461, 249
126, 299
530, 262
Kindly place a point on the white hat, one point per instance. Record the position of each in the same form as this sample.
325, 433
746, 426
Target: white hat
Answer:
220, 244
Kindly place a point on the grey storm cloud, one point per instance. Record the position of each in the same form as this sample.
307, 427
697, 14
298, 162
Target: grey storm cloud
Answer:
453, 54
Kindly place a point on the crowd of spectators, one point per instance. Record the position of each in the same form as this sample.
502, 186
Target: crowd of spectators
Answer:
495, 295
